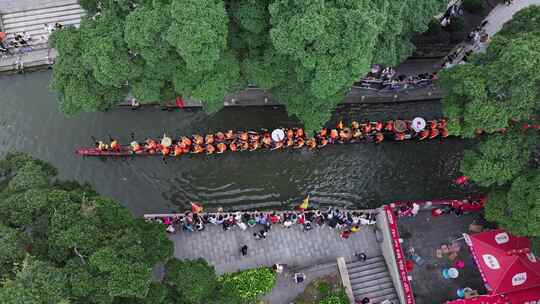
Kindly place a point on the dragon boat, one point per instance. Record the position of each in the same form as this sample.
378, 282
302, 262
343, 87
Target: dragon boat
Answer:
279, 139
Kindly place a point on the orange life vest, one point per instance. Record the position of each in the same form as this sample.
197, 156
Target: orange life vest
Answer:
424, 134
433, 133
379, 137
389, 126
334, 134
300, 132
221, 147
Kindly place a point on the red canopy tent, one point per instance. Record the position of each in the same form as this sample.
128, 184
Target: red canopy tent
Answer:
507, 265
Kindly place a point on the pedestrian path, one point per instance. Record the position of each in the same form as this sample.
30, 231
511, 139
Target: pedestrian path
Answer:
33, 20
290, 246
502, 13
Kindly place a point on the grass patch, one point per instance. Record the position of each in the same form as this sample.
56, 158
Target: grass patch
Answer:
326, 290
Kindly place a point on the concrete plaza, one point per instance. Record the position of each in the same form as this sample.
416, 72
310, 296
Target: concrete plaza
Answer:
290, 246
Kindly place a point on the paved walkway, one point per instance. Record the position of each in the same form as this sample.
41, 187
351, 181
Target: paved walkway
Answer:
287, 246
503, 13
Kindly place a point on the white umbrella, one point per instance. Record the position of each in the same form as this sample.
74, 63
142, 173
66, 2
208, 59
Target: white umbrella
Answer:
278, 135
418, 124
166, 141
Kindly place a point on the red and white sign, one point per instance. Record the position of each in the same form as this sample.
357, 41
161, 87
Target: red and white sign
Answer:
400, 257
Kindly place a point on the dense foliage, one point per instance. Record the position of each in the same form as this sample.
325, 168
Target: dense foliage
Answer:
203, 286
497, 89
249, 284
62, 243
307, 53
499, 85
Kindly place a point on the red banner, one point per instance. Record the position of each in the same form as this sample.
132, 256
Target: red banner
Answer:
400, 257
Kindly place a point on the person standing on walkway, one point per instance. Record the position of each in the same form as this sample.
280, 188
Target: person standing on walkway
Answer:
244, 250
361, 256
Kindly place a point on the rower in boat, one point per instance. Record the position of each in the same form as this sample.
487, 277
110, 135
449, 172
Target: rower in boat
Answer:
255, 137
197, 149
220, 136
151, 146
311, 144
299, 143
244, 136
233, 146
115, 145
423, 134
209, 139
165, 150
356, 135
399, 136
290, 142
378, 126
186, 141
300, 133
345, 135
255, 145
230, 135
367, 127
355, 125
210, 149
379, 137
102, 146
339, 125
244, 145
136, 147
267, 140
333, 136
278, 145
444, 133
323, 132
432, 124
290, 133
178, 150
442, 123
221, 147
433, 133
389, 126
198, 140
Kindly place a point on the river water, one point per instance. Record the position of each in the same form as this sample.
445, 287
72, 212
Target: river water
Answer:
359, 176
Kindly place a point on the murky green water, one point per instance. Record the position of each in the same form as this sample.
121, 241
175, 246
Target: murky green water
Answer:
355, 175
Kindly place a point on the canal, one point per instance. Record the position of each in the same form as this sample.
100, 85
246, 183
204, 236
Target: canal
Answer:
359, 176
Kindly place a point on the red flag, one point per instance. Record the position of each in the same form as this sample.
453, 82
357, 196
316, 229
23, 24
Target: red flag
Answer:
196, 208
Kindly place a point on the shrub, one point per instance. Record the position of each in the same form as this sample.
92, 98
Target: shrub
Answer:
335, 299
474, 6
249, 284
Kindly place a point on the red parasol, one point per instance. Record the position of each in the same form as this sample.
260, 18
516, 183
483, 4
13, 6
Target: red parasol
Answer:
505, 261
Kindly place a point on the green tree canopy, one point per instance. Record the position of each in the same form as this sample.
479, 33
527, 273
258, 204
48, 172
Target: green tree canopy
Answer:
82, 247
307, 53
497, 86
517, 209
498, 160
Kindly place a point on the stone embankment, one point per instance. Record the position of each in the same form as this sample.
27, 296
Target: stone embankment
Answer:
18, 16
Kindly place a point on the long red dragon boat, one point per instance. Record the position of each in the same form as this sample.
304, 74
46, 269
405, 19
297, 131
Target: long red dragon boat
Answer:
291, 138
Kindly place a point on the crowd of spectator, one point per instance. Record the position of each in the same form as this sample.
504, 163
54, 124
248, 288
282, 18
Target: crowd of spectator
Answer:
387, 79
346, 222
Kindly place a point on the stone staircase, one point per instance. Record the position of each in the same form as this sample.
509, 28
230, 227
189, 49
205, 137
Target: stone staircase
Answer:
32, 21
371, 279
